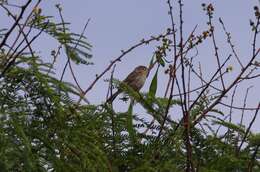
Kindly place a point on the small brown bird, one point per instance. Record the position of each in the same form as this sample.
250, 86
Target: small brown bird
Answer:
135, 79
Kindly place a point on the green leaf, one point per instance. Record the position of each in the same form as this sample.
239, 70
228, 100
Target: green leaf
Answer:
231, 126
153, 86
74, 55
129, 124
164, 101
160, 60
254, 140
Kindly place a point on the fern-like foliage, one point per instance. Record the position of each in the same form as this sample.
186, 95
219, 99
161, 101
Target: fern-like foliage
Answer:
44, 128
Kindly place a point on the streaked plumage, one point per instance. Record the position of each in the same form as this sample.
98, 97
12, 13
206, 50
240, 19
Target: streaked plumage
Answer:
135, 79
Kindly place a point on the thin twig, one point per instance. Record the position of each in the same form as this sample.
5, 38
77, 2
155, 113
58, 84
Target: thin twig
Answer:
23, 8
249, 127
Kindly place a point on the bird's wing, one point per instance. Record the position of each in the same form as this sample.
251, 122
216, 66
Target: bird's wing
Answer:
130, 78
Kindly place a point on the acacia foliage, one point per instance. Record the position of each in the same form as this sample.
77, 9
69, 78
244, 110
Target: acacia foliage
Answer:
44, 128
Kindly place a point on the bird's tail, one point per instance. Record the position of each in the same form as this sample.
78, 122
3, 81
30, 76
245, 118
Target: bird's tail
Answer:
112, 97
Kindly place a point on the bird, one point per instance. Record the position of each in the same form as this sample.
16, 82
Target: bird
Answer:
135, 80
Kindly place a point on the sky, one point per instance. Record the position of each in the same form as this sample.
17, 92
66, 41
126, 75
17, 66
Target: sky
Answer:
116, 25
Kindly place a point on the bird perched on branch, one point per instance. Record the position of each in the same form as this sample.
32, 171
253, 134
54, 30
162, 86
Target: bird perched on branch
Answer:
135, 80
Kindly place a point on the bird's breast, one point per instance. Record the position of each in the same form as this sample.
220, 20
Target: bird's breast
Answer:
140, 81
